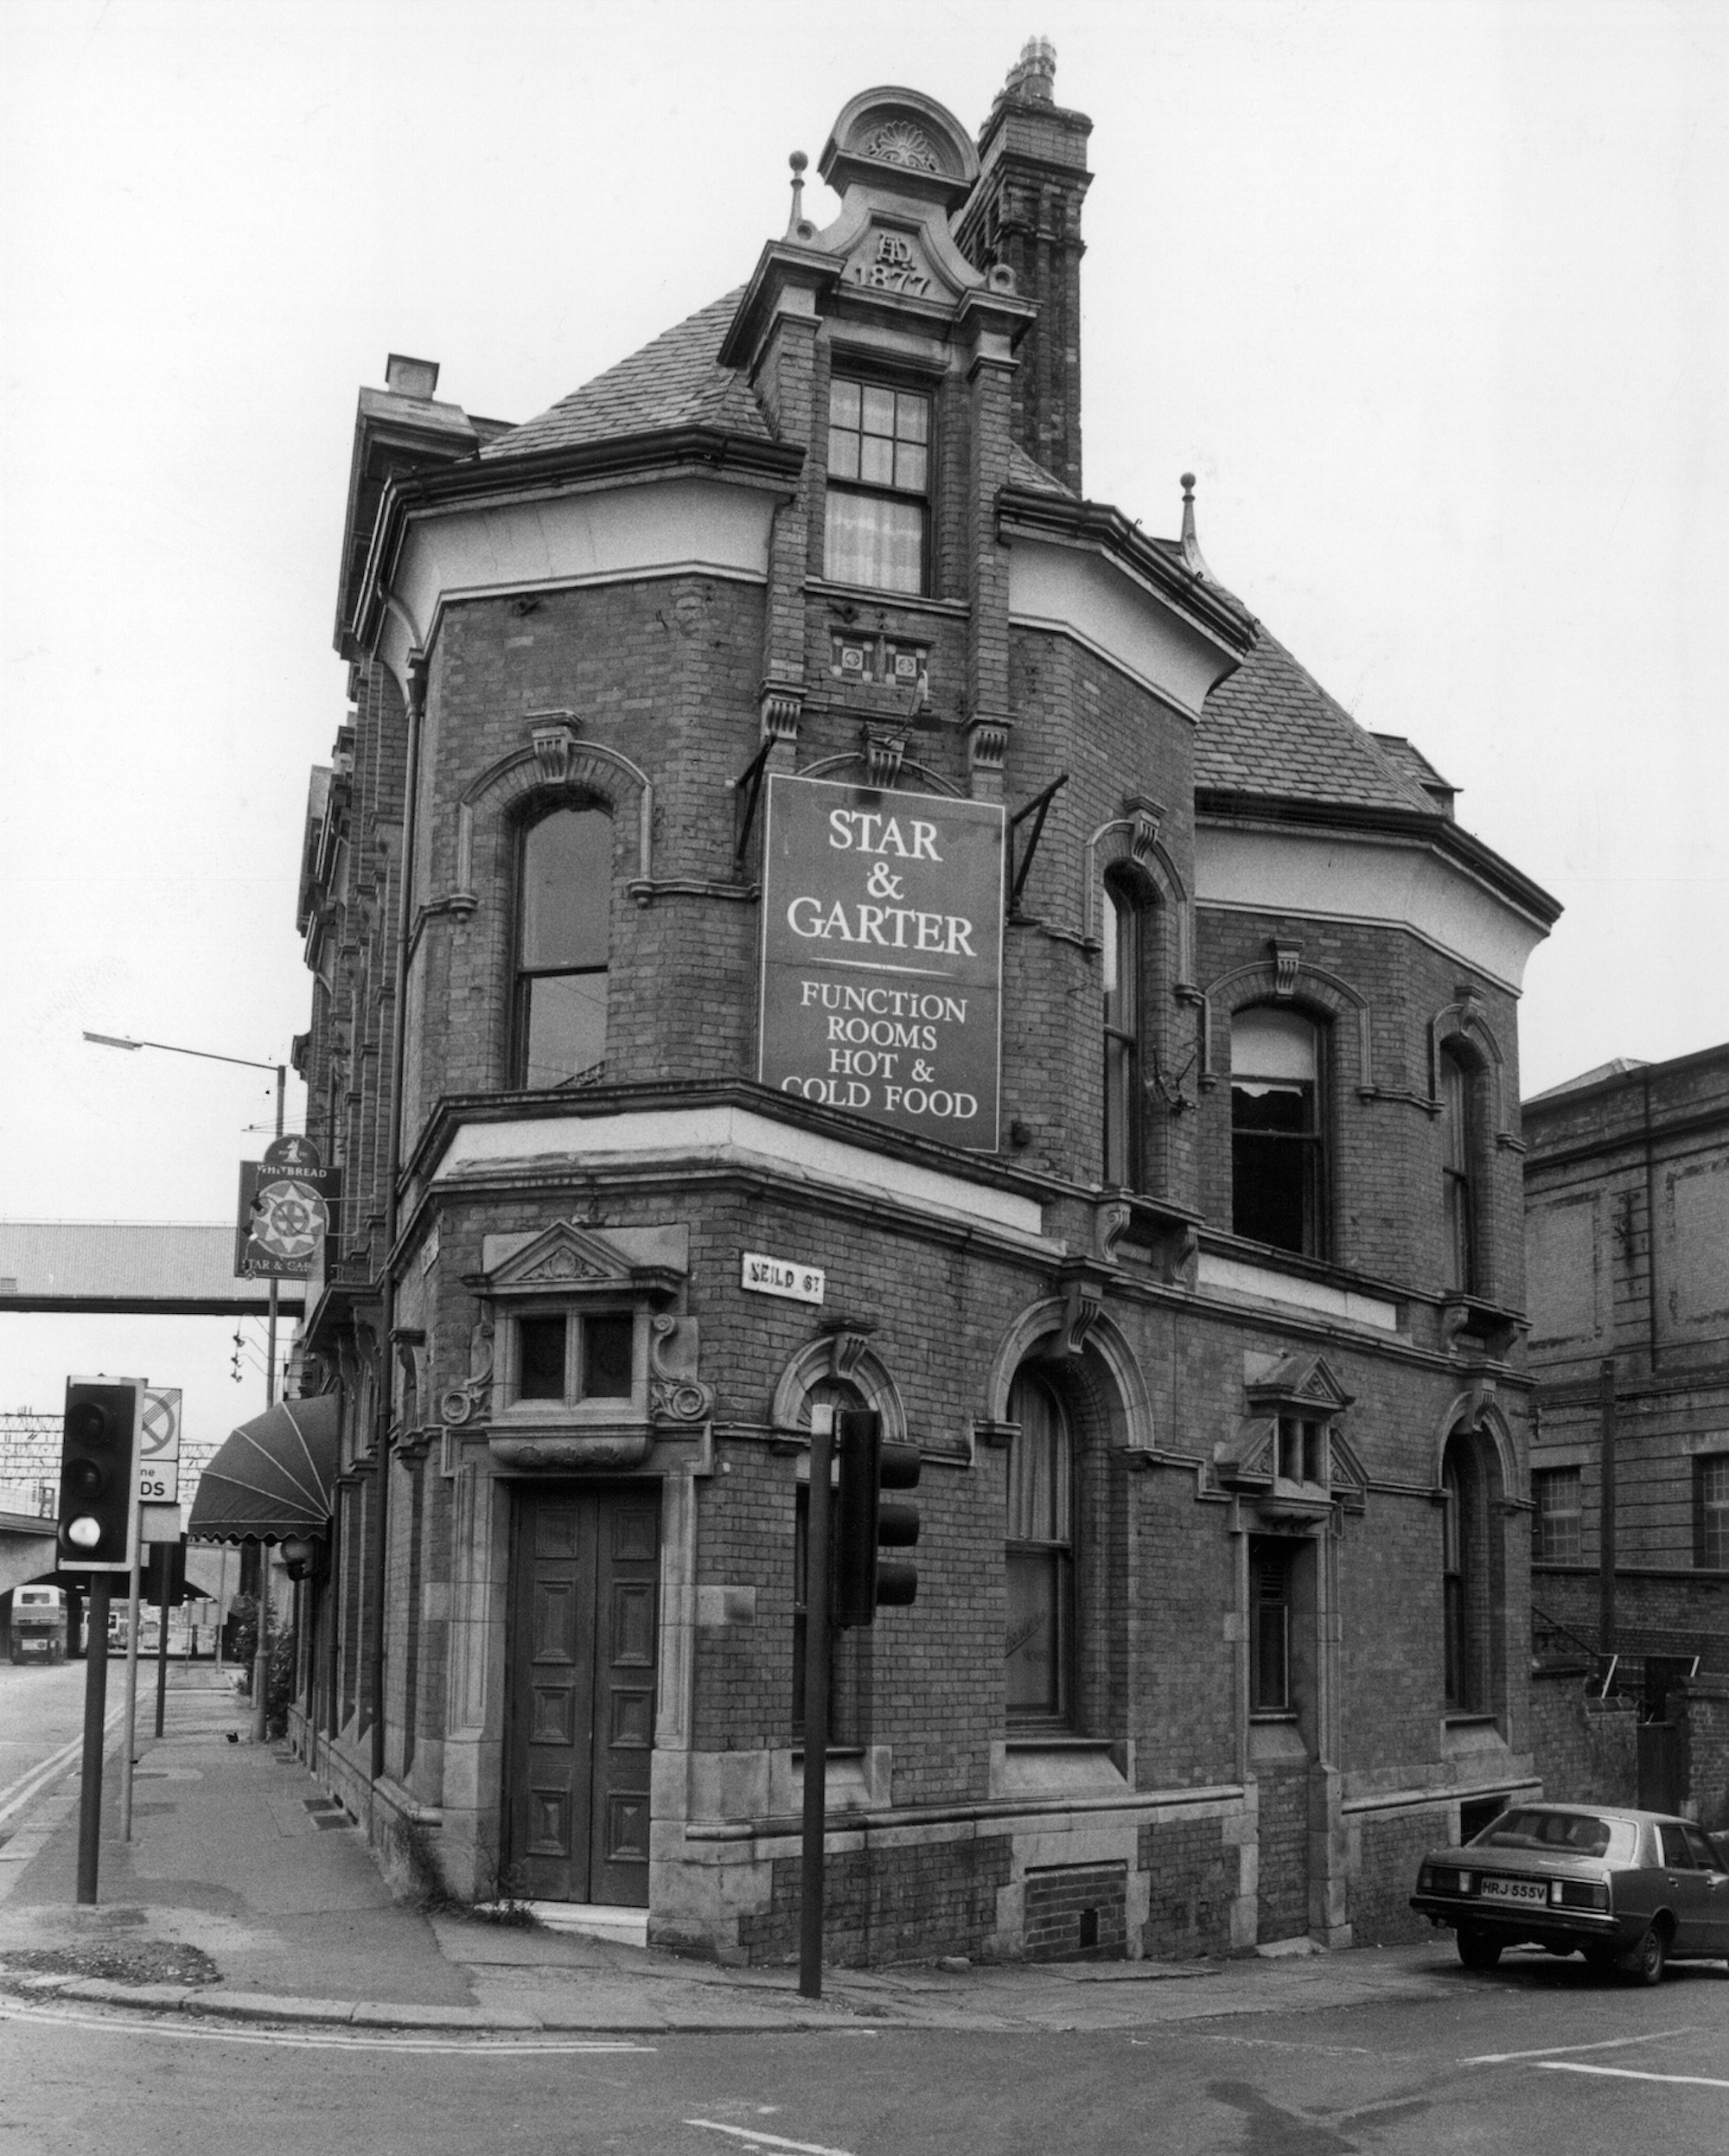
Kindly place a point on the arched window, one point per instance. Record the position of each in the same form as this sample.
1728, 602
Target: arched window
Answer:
1278, 1158
1473, 1578
1039, 1647
563, 923
1122, 967
1461, 1120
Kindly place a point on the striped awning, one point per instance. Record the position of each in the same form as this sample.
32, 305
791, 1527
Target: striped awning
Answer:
272, 1477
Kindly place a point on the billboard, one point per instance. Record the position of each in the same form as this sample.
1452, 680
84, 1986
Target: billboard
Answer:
883, 955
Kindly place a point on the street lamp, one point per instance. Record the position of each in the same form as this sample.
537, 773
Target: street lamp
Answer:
261, 1660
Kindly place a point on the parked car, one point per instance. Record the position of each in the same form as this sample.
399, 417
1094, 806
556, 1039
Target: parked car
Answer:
1632, 1891
38, 1624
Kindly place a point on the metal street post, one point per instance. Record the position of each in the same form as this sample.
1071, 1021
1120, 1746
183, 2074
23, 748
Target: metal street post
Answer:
95, 1713
130, 1732
261, 1658
816, 1702
163, 1569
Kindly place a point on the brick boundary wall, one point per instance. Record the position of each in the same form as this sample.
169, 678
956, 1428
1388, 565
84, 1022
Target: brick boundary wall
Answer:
1586, 1750
1706, 1756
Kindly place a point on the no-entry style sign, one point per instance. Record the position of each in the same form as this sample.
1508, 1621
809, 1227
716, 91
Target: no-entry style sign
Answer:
883, 955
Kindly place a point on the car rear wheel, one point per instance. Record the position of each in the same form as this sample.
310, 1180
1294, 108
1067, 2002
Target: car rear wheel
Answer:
1643, 1961
1477, 1950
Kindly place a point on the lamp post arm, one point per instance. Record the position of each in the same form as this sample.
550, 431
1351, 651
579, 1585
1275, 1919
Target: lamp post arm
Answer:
204, 1055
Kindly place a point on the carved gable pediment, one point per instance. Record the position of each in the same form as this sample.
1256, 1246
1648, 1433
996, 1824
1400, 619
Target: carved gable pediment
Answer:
1309, 1473
569, 1257
1303, 1384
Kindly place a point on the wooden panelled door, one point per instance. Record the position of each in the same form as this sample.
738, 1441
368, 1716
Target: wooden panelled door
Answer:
585, 1581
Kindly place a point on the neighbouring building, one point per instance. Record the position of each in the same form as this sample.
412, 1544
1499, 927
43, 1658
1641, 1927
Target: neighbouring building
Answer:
881, 928
1627, 1243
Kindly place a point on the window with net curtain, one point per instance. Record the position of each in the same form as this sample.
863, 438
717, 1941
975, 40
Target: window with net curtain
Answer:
877, 504
1277, 1171
1120, 964
1039, 1647
564, 924
1459, 1555
1461, 1089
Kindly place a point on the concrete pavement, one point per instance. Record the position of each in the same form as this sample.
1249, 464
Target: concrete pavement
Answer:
245, 1893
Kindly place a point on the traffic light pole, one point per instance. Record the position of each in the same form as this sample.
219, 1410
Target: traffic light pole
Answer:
817, 1568
162, 1571
95, 1713
262, 1656
130, 1725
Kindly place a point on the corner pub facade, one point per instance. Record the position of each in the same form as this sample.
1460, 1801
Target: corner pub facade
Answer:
874, 928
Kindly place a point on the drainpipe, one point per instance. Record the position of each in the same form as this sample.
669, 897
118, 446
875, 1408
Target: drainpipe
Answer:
1650, 1230
1605, 1530
385, 1388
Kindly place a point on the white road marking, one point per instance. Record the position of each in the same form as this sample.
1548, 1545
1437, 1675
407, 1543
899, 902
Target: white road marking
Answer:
479, 2046
757, 2139
28, 1784
1554, 2050
1628, 2073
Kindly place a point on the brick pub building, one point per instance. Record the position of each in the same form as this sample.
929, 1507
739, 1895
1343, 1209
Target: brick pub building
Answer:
1169, 1202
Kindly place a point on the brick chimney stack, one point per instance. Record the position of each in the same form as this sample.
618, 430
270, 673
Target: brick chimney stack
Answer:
1025, 211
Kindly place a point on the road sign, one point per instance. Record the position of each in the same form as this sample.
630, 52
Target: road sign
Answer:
159, 1446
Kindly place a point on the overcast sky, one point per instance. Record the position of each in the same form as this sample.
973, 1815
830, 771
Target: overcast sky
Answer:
1429, 293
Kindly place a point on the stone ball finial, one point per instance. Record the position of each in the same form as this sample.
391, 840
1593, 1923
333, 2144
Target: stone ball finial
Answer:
798, 161
1188, 483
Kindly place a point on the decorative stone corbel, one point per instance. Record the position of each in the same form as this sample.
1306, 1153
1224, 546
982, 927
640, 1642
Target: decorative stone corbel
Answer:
458, 1403
674, 1393
884, 750
848, 1337
1112, 1219
1147, 818
987, 743
1287, 960
554, 737
782, 704
1083, 1283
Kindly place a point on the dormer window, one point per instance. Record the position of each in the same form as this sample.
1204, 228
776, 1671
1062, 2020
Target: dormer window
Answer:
1302, 1451
879, 486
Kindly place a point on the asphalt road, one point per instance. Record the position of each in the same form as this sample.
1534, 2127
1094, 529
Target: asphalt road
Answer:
1540, 2057
41, 1717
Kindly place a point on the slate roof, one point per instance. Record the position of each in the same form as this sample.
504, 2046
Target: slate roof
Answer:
1023, 472
671, 382
1272, 730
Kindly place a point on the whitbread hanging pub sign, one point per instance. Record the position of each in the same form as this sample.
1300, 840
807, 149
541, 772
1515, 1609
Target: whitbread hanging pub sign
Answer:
883, 955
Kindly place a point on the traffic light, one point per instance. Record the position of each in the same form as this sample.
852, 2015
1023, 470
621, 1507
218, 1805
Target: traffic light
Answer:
862, 1582
99, 1473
